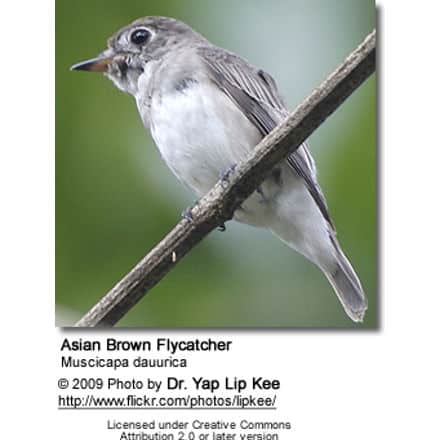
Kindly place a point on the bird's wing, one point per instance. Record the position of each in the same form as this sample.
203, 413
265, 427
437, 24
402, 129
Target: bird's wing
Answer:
256, 94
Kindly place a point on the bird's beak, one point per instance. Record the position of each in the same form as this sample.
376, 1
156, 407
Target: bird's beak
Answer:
98, 64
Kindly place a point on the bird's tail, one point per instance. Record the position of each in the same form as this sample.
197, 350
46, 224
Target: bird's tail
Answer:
348, 287
300, 225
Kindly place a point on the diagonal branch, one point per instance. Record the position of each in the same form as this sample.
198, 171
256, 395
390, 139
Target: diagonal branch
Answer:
219, 204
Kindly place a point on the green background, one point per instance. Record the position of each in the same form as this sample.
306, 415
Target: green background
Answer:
115, 198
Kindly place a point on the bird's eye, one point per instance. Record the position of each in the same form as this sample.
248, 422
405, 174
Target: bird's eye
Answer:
140, 36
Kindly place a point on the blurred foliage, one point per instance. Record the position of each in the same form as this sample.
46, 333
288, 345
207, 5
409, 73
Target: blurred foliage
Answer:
115, 199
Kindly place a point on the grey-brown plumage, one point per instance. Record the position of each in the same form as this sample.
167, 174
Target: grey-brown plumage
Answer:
255, 92
206, 109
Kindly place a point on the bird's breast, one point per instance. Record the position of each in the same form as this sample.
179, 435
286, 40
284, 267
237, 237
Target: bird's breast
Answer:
199, 131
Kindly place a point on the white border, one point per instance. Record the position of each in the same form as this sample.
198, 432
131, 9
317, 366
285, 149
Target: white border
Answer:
344, 385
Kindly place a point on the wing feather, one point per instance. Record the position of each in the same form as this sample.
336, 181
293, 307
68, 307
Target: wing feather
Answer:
256, 94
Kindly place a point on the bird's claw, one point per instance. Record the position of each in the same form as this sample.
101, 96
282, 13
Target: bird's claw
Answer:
187, 214
226, 174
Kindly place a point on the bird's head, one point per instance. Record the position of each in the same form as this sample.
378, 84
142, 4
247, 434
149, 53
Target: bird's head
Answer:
131, 48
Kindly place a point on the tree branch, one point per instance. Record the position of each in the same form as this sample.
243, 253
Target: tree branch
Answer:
219, 204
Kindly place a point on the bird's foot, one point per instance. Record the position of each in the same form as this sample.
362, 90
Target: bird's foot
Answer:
221, 228
187, 214
260, 192
226, 174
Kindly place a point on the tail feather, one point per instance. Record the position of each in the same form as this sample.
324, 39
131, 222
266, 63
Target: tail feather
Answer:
348, 288
300, 224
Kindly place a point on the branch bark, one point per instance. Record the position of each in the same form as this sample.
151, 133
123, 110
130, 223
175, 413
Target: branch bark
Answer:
219, 204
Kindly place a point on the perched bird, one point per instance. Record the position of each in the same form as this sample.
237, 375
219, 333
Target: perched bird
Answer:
207, 108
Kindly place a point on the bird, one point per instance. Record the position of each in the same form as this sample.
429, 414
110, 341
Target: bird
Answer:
206, 109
